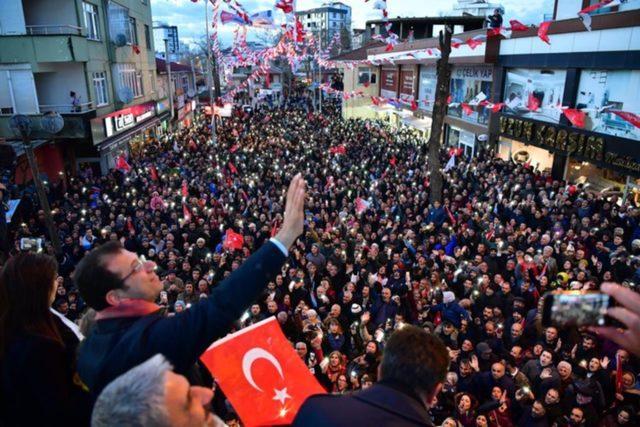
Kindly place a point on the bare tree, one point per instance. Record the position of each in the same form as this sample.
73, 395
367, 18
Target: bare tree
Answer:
439, 110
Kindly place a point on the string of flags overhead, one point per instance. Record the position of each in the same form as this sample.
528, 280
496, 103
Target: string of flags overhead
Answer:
298, 45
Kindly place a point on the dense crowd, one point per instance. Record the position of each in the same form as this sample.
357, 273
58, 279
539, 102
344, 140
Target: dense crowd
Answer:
375, 255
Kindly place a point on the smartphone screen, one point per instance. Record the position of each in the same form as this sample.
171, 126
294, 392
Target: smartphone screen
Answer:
572, 308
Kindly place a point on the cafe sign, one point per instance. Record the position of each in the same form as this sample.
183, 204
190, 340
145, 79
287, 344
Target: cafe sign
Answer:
597, 148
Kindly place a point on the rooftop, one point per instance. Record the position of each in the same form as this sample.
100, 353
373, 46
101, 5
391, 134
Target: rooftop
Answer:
161, 66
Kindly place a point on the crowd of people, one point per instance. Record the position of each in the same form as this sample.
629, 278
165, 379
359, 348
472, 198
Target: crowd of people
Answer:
375, 255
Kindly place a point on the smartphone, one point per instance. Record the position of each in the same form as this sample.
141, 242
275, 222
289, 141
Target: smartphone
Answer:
576, 308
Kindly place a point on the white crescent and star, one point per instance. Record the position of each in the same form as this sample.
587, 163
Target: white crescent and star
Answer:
260, 353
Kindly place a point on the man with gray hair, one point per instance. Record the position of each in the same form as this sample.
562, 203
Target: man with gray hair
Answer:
151, 395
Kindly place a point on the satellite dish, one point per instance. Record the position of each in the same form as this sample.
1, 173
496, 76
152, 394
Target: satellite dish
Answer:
52, 122
125, 94
482, 138
120, 40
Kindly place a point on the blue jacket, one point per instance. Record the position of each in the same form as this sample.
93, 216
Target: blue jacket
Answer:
451, 312
117, 345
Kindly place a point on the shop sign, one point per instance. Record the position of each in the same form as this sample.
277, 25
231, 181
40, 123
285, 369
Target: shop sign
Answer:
473, 73
406, 88
389, 83
570, 141
121, 120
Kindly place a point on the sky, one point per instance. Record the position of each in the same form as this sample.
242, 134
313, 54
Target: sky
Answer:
189, 17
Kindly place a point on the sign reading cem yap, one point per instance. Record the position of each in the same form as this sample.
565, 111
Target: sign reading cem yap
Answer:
570, 141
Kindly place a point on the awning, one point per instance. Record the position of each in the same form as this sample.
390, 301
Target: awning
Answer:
116, 140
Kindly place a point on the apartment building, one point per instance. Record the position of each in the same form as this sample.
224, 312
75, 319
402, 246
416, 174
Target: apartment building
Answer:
326, 21
93, 62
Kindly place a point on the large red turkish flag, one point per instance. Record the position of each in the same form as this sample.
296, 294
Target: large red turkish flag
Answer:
233, 240
261, 374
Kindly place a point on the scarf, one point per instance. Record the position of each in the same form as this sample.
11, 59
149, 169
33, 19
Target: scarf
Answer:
129, 307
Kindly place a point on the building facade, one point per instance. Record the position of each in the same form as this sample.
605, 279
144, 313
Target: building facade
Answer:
597, 72
183, 90
162, 31
91, 61
326, 21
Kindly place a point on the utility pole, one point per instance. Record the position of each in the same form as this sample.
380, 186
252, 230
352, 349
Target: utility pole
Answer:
320, 73
439, 110
193, 76
167, 61
214, 135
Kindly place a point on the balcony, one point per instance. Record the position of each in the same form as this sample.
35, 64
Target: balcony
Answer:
46, 30
68, 108
45, 43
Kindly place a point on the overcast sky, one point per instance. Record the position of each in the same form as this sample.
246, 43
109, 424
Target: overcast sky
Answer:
190, 17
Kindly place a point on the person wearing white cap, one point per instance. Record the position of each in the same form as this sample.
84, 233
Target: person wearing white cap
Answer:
451, 310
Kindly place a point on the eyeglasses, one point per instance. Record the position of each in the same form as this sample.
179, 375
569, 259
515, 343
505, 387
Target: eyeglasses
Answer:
141, 264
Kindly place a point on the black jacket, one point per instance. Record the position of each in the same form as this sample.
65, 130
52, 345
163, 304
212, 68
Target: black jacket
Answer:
117, 345
37, 380
384, 404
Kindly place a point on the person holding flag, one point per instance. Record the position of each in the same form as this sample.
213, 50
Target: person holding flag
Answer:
129, 328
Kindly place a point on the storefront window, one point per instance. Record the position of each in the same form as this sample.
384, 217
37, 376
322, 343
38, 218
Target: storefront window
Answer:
467, 84
518, 152
427, 87
615, 89
535, 94
598, 179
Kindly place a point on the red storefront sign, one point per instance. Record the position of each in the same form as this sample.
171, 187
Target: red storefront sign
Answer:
389, 83
121, 120
407, 78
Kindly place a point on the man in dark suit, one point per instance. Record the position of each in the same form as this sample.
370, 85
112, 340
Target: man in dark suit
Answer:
413, 369
129, 330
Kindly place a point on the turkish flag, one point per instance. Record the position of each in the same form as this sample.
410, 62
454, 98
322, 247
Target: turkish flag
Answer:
361, 205
153, 172
233, 168
543, 30
576, 117
285, 5
473, 43
233, 240
467, 109
599, 5
517, 25
185, 189
627, 116
619, 384
393, 161
497, 107
122, 165
186, 212
261, 374
414, 105
449, 99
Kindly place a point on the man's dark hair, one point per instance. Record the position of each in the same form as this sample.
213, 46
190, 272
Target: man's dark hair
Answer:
415, 358
93, 279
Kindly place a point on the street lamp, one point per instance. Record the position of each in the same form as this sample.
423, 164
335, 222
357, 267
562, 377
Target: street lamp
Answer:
21, 126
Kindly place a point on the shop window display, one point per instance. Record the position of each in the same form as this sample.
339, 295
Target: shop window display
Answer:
466, 84
601, 91
534, 94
